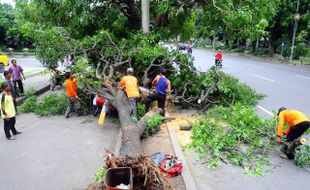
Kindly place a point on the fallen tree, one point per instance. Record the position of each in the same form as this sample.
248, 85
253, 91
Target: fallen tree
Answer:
105, 35
102, 81
147, 174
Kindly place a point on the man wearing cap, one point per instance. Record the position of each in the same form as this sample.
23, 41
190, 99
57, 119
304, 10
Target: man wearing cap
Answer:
8, 111
298, 123
130, 84
163, 87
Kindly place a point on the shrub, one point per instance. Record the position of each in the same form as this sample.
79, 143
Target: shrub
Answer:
52, 105
153, 125
262, 52
29, 105
241, 49
301, 49
140, 110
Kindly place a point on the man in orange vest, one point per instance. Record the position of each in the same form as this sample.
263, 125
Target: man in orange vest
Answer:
298, 123
73, 98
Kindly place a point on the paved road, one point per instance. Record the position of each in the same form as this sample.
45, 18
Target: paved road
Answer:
54, 153
29, 63
283, 85
284, 175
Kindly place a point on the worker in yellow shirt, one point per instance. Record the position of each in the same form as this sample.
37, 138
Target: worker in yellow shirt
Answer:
130, 84
8, 112
298, 123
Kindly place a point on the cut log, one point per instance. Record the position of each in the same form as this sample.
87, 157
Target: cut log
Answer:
185, 127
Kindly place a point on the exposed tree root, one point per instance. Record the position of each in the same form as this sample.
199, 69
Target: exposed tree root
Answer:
146, 175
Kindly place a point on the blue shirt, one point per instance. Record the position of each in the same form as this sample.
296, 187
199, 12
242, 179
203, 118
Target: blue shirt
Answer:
161, 86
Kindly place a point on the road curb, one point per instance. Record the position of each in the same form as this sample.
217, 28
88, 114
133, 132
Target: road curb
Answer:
37, 92
186, 174
307, 168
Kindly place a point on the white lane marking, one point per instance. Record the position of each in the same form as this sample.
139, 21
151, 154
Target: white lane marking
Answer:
303, 77
264, 78
265, 110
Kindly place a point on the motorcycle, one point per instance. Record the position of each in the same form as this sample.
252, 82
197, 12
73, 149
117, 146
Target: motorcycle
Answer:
57, 78
218, 64
189, 52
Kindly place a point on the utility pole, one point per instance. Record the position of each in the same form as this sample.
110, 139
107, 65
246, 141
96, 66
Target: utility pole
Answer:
145, 16
296, 19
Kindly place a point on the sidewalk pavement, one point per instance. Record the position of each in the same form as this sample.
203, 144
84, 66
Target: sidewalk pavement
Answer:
40, 83
36, 82
54, 152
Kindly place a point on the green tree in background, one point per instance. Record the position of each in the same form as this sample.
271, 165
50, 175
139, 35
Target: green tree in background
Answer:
11, 36
281, 26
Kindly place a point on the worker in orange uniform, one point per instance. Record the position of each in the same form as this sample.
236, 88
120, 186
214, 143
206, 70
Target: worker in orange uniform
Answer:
73, 98
130, 84
298, 123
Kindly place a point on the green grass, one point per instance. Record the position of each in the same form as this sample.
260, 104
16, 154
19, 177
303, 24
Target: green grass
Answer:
305, 62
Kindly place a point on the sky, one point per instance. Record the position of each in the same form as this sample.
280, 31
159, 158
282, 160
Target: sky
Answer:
8, 1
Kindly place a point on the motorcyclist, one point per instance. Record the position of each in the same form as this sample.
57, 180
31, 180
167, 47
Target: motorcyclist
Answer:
218, 57
57, 78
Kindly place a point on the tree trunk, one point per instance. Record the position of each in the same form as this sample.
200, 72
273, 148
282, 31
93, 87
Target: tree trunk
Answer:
135, 19
257, 43
131, 133
130, 10
253, 44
